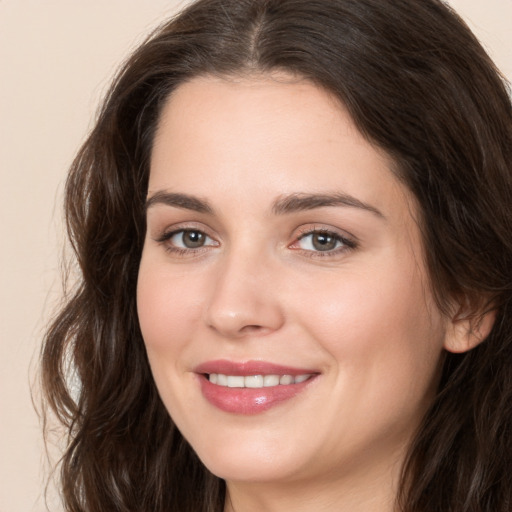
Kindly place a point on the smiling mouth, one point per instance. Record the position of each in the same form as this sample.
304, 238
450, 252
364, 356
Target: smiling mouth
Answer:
251, 387
252, 394
256, 381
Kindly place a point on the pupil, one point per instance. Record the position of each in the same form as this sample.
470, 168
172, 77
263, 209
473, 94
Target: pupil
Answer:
323, 242
193, 239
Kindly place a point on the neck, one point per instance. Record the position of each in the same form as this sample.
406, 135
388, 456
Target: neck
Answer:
366, 491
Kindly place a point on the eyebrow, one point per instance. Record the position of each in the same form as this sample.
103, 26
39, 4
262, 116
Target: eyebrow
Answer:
300, 202
282, 206
185, 201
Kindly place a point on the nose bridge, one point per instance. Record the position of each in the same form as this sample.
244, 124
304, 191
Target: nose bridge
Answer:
243, 299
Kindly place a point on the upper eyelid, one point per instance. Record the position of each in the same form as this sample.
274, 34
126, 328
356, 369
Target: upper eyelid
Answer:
166, 235
348, 241
318, 228
181, 226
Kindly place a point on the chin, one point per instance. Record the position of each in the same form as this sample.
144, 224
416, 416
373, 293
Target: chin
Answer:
251, 461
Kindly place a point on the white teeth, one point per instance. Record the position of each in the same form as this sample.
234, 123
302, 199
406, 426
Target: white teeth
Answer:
235, 381
286, 379
255, 381
270, 380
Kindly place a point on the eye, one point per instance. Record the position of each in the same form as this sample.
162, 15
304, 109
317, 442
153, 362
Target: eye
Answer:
319, 241
323, 241
187, 239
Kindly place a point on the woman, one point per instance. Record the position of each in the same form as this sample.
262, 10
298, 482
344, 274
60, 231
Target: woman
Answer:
292, 221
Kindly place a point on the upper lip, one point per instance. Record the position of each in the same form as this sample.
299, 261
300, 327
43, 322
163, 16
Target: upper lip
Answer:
245, 368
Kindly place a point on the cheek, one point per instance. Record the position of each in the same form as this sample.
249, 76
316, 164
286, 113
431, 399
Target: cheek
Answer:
385, 346
169, 312
168, 307
378, 326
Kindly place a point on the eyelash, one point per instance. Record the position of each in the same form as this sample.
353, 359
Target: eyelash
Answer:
165, 238
347, 244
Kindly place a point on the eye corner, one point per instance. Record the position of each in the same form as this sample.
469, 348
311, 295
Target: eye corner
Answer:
322, 241
185, 240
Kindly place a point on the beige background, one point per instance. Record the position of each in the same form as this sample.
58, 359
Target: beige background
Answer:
56, 59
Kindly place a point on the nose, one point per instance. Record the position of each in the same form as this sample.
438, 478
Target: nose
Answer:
245, 298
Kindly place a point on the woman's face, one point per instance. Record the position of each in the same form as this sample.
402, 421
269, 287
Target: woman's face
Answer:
283, 263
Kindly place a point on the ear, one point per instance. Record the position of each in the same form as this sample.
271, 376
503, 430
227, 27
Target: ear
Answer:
466, 331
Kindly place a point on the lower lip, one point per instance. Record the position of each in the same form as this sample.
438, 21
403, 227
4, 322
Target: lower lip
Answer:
249, 400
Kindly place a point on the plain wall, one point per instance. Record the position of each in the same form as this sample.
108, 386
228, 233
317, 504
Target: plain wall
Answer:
56, 60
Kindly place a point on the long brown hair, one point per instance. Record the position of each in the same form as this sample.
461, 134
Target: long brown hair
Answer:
418, 85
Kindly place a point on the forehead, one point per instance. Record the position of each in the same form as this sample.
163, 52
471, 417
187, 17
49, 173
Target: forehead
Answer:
224, 111
264, 136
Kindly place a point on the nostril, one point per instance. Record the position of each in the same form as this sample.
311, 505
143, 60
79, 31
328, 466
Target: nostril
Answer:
251, 328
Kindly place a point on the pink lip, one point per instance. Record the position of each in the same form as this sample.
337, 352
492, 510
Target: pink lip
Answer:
250, 368
249, 401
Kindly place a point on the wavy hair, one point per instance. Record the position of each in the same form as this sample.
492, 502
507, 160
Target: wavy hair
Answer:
418, 85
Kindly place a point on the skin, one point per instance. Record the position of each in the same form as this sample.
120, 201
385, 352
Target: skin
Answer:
361, 315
